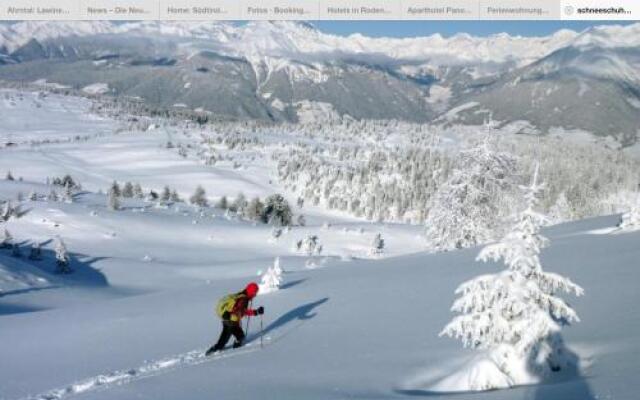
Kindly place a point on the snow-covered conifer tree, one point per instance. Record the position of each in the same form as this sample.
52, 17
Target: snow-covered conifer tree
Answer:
301, 220
127, 190
113, 201
15, 250
630, 221
53, 195
277, 211
254, 209
377, 246
9, 176
7, 211
68, 193
174, 196
138, 193
6, 240
199, 197
62, 257
115, 189
514, 316
310, 245
223, 203
35, 253
33, 196
466, 210
272, 279
165, 196
239, 204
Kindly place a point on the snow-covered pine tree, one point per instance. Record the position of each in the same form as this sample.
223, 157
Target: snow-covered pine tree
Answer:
630, 221
272, 279
467, 208
311, 245
254, 209
277, 211
127, 190
68, 193
223, 203
152, 196
138, 193
514, 316
165, 196
35, 253
301, 220
33, 196
377, 246
115, 189
53, 195
62, 257
199, 197
239, 204
6, 240
113, 200
174, 196
7, 211
276, 232
15, 250
9, 176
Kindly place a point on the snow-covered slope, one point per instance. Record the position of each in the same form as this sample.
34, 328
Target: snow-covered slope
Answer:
134, 317
364, 329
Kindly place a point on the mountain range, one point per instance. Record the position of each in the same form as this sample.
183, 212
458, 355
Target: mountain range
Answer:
586, 81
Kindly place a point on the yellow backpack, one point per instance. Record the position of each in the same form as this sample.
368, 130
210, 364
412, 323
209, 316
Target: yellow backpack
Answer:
226, 304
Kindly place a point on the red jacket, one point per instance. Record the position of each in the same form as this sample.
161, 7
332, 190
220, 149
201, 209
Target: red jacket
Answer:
241, 309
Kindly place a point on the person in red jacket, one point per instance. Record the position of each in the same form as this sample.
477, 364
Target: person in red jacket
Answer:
231, 309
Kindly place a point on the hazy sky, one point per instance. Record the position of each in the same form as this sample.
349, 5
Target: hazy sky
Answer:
449, 28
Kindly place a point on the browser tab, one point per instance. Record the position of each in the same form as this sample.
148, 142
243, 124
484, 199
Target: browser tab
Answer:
519, 9
199, 9
119, 10
360, 10
280, 10
440, 9
38, 10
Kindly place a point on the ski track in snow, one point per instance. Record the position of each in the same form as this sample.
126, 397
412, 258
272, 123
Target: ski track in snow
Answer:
147, 370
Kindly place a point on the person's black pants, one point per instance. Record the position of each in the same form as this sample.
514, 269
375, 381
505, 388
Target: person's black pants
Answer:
230, 328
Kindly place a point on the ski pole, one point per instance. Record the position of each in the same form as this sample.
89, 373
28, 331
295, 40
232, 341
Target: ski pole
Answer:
246, 329
261, 332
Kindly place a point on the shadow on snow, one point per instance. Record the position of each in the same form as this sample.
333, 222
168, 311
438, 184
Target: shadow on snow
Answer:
301, 313
563, 380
